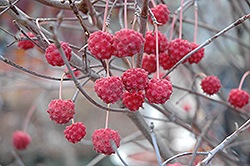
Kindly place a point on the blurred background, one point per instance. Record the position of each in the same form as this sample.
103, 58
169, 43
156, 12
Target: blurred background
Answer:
227, 58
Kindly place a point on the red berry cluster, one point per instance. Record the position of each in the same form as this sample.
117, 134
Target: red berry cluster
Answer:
133, 101
238, 98
26, 44
210, 85
20, 139
54, 57
75, 132
109, 89
100, 44
149, 63
161, 13
101, 139
61, 111
166, 61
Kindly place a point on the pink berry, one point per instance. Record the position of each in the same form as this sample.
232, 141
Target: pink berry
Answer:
210, 85
166, 61
53, 56
100, 44
76, 73
75, 132
135, 79
149, 63
109, 89
178, 48
161, 13
101, 139
26, 44
196, 57
20, 139
133, 101
158, 91
150, 43
127, 43
61, 111
238, 98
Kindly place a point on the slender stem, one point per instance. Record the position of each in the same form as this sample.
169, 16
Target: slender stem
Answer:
125, 14
107, 118
180, 28
153, 3
243, 78
105, 15
157, 52
44, 37
172, 26
28, 116
196, 20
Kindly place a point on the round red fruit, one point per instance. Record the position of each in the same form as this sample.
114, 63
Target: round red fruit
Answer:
161, 13
210, 85
20, 140
133, 101
166, 61
75, 132
238, 98
149, 63
26, 44
196, 57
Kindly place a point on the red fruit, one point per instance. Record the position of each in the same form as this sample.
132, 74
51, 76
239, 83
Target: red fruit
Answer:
76, 73
101, 139
166, 61
158, 91
75, 132
210, 85
149, 63
20, 139
178, 48
133, 101
196, 57
109, 89
135, 79
100, 44
61, 111
127, 43
238, 98
53, 56
150, 43
161, 13
26, 44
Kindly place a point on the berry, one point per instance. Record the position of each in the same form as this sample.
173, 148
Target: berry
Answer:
76, 73
100, 44
61, 111
149, 63
133, 100
53, 56
238, 98
127, 42
178, 48
150, 43
196, 57
101, 140
210, 85
161, 13
20, 139
109, 89
135, 79
75, 132
158, 91
26, 44
166, 61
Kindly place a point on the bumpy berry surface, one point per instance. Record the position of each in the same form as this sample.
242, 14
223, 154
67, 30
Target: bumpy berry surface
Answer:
210, 85
53, 56
61, 111
133, 101
109, 89
161, 13
127, 42
166, 61
150, 43
196, 57
238, 98
158, 91
178, 48
75, 132
149, 63
101, 139
20, 140
26, 44
100, 44
135, 79
76, 73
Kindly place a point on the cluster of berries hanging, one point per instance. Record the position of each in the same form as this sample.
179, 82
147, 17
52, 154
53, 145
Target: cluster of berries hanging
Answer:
26, 44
